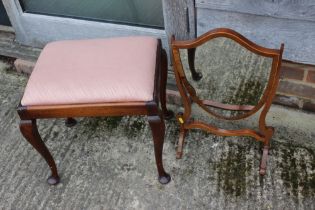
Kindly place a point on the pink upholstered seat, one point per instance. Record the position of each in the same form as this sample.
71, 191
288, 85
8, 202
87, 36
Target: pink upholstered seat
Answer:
93, 71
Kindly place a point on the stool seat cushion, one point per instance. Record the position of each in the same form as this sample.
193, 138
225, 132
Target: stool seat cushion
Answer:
93, 71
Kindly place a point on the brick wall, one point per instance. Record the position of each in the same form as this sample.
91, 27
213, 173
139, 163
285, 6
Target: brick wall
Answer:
297, 86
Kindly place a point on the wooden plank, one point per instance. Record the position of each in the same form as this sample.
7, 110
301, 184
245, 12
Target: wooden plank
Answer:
10, 48
298, 36
176, 15
290, 9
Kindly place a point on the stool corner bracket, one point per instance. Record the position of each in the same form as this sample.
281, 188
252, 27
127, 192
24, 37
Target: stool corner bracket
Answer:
152, 107
22, 111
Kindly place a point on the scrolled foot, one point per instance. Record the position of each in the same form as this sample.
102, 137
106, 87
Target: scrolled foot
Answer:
197, 76
70, 122
53, 180
165, 179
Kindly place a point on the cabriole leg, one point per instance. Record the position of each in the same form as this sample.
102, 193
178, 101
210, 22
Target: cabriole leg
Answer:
167, 113
191, 62
29, 130
158, 131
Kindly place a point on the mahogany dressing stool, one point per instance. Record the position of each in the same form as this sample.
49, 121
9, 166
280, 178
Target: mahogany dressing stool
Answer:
97, 77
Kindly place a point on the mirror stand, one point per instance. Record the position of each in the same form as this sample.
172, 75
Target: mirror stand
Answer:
191, 94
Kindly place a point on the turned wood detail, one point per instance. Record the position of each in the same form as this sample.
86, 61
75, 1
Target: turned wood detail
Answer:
189, 95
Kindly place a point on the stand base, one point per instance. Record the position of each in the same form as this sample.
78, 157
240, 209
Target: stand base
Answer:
197, 76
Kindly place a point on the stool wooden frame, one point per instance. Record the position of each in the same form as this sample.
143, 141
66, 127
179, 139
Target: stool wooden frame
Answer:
29, 114
189, 96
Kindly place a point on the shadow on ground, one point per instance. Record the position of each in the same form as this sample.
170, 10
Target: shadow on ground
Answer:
108, 163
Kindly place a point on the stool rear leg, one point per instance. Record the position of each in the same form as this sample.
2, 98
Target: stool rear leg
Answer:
191, 62
158, 131
70, 122
168, 114
29, 130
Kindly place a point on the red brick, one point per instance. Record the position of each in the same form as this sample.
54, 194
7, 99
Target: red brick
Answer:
311, 67
292, 88
291, 72
173, 97
310, 76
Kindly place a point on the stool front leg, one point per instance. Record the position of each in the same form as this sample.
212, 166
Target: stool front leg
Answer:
29, 130
158, 131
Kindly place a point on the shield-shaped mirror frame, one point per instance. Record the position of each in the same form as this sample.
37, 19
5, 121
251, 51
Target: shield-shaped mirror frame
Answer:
188, 93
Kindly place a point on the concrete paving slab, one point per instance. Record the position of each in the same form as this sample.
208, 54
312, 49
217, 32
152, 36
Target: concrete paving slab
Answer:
108, 163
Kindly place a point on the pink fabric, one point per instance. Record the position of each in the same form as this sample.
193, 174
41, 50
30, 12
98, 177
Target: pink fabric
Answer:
93, 71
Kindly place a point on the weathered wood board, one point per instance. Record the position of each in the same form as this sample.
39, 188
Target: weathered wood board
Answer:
10, 48
298, 35
291, 9
179, 18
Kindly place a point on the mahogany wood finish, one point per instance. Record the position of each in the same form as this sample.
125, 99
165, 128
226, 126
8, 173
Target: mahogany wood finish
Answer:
189, 96
191, 62
30, 132
70, 122
232, 107
29, 114
167, 113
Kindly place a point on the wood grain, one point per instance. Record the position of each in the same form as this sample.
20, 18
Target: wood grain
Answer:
29, 114
175, 16
290, 9
266, 31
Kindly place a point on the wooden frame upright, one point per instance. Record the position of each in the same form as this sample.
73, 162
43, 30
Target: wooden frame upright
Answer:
29, 114
189, 96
